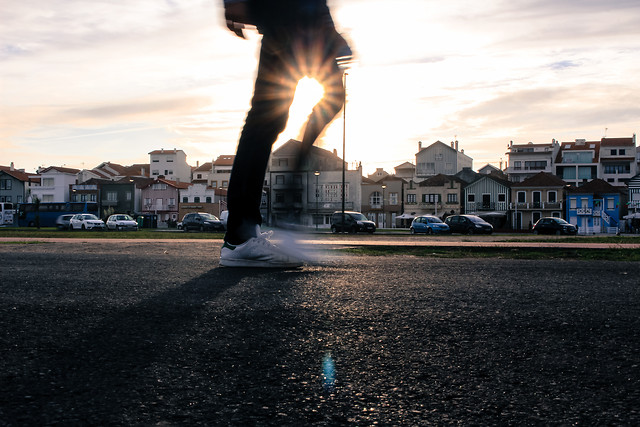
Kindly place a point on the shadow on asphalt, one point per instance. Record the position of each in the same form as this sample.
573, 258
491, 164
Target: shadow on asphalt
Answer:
188, 353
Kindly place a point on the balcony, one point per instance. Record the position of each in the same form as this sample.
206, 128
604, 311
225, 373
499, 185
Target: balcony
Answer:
536, 206
584, 211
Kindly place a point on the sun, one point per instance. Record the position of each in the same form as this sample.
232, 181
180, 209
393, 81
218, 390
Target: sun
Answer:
308, 93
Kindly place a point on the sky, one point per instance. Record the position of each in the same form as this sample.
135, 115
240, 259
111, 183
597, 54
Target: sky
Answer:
88, 81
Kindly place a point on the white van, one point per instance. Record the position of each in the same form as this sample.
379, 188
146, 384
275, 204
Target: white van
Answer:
6, 213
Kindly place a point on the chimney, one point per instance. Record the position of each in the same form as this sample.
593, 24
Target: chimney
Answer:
457, 145
419, 145
335, 152
11, 168
451, 144
197, 163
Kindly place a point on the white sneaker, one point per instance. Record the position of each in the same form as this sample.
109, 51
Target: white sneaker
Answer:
256, 252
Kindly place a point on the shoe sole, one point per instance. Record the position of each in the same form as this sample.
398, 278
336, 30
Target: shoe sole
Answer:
260, 264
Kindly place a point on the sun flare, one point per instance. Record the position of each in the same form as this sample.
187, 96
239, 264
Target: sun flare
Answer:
308, 93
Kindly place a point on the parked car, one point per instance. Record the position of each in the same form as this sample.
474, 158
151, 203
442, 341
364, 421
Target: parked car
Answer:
121, 222
428, 224
201, 221
62, 222
552, 225
351, 222
86, 222
468, 224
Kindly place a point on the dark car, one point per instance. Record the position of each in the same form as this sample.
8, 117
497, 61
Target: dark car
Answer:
468, 224
201, 221
351, 222
551, 225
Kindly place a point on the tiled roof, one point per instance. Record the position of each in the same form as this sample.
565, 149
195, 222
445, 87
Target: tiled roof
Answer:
595, 186
19, 175
224, 160
163, 151
617, 142
541, 179
439, 180
60, 169
205, 167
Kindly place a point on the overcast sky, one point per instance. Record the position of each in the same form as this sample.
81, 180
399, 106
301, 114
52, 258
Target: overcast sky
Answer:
82, 82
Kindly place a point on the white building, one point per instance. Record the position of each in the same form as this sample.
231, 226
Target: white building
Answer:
440, 158
527, 160
55, 182
172, 164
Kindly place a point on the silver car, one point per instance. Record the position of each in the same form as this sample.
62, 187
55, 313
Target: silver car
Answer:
121, 222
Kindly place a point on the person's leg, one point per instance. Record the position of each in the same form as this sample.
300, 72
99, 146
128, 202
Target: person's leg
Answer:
267, 118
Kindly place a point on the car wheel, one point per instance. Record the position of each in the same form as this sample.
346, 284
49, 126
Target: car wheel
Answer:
412, 230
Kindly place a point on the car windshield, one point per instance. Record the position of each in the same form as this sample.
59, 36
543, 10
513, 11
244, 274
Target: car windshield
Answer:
477, 219
560, 221
209, 217
124, 218
89, 216
359, 217
434, 220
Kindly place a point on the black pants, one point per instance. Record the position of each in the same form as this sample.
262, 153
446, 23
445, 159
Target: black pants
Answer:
283, 62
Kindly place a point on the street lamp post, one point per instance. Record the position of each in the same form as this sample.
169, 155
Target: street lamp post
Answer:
344, 137
317, 174
383, 215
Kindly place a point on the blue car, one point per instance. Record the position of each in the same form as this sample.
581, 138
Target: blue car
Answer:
428, 224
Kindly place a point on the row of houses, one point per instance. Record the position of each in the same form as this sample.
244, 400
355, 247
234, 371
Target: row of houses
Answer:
591, 184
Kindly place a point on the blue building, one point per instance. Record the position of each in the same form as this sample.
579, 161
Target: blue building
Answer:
594, 207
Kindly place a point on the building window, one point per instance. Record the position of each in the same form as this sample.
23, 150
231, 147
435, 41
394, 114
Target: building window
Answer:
127, 196
196, 199
375, 199
5, 184
159, 186
185, 200
112, 196
614, 152
172, 202
279, 179
283, 162
622, 152
155, 172
517, 165
199, 176
452, 198
93, 197
297, 179
610, 203
471, 198
522, 197
535, 165
48, 182
225, 184
208, 199
411, 198
393, 198
552, 196
279, 197
214, 184
147, 202
502, 197
47, 198
430, 198
155, 161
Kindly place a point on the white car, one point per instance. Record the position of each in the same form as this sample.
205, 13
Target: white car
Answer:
86, 221
121, 222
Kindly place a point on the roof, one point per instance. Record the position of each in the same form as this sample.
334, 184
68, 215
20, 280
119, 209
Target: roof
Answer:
439, 180
541, 179
17, 174
595, 186
60, 169
224, 160
205, 167
175, 184
580, 145
163, 151
617, 142
405, 165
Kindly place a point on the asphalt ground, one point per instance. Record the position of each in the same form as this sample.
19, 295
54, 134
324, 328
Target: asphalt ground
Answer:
155, 333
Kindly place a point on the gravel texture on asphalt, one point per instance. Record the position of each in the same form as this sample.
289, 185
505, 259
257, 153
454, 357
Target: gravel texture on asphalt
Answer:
156, 333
